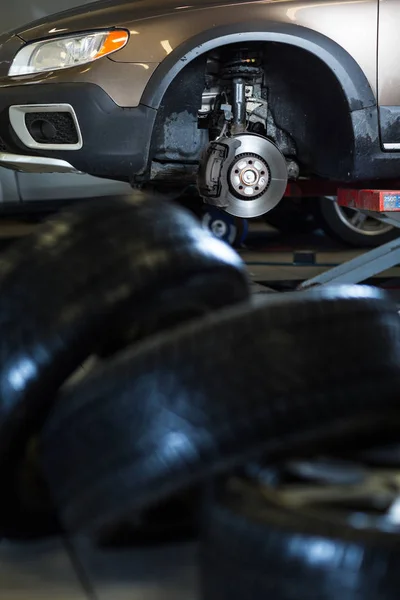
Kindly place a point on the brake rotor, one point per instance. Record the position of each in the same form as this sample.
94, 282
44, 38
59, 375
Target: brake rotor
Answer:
245, 174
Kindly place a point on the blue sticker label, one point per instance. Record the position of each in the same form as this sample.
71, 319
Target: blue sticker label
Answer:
391, 201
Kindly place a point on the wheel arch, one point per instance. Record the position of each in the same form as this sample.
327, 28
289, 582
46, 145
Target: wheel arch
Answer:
348, 73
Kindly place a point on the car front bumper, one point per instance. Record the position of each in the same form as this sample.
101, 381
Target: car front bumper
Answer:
35, 164
115, 141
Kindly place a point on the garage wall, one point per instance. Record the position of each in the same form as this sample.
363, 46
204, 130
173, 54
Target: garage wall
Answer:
20, 12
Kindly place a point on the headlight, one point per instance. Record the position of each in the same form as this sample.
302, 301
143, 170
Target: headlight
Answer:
65, 52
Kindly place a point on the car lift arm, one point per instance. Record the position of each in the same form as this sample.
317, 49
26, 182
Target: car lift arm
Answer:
380, 204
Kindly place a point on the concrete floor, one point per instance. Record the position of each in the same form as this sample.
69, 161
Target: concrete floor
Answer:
270, 257
72, 569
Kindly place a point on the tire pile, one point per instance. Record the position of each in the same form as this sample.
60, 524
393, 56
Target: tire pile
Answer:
137, 375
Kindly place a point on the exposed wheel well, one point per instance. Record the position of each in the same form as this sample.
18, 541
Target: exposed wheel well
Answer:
305, 100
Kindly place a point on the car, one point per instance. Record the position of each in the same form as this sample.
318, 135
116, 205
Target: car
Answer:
240, 96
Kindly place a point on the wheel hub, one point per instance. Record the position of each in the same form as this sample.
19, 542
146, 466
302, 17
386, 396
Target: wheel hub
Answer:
219, 228
249, 176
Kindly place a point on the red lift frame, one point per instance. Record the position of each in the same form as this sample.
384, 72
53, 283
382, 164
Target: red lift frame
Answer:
384, 199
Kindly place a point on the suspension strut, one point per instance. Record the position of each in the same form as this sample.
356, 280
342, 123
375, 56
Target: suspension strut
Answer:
239, 105
242, 70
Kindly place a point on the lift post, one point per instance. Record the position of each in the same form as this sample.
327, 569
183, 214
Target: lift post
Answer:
379, 204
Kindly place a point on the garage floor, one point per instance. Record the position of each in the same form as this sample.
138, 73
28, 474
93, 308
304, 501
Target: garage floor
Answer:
282, 262
65, 570
71, 569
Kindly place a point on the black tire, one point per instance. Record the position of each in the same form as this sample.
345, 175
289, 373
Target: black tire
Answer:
382, 455
329, 219
168, 522
77, 285
252, 548
27, 510
300, 369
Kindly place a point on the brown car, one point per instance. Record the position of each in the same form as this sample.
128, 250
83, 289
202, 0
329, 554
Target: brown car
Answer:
241, 95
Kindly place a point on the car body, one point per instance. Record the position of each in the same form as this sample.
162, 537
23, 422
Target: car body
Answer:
20, 192
327, 92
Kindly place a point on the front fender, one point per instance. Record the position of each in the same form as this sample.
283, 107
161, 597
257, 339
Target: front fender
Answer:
353, 81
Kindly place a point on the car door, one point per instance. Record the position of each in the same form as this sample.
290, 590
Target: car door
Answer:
389, 73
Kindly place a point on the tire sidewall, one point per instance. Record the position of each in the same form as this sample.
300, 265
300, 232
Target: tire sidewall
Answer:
331, 223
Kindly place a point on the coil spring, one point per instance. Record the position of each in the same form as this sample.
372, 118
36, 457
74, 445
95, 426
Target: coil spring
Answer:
242, 67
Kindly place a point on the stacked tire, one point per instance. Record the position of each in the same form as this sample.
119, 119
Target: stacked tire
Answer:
191, 382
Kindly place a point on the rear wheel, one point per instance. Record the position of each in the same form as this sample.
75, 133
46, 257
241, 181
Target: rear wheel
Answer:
351, 226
